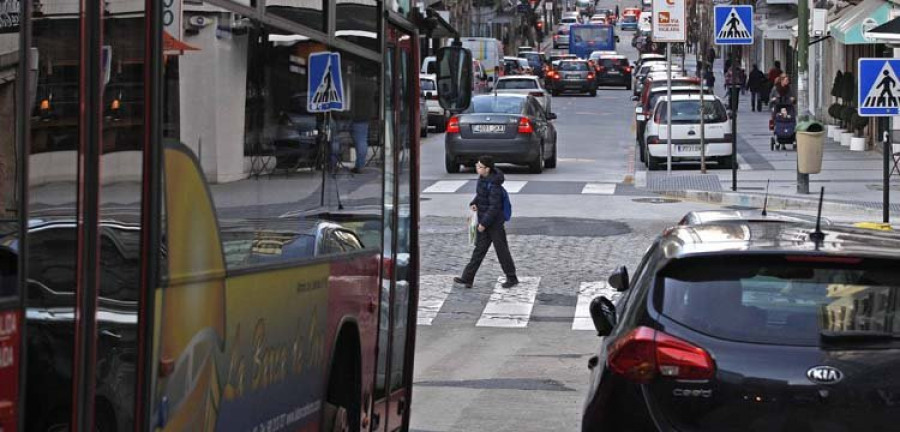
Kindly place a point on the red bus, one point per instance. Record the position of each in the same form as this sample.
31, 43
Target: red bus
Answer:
187, 241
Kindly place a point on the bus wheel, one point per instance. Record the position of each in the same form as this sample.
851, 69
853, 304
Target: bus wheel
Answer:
343, 404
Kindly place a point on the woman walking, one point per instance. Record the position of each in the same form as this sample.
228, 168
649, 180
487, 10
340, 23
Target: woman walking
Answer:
488, 204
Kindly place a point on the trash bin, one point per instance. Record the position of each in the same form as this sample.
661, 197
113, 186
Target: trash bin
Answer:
810, 143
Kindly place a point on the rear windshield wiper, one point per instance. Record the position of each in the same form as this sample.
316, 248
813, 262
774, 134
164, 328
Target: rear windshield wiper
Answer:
857, 336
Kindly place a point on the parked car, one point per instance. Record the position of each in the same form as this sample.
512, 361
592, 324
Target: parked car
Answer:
641, 112
648, 68
704, 217
510, 127
743, 325
613, 70
685, 131
572, 75
525, 84
437, 116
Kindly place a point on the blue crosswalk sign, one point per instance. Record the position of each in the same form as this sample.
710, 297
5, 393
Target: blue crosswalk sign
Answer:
878, 94
326, 86
734, 25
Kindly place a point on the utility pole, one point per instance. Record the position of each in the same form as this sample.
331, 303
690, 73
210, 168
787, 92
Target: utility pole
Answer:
802, 78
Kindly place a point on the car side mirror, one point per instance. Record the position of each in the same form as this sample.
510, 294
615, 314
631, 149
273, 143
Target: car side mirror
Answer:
454, 78
551, 116
619, 279
603, 313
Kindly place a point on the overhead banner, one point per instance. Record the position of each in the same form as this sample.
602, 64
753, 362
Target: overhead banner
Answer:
668, 21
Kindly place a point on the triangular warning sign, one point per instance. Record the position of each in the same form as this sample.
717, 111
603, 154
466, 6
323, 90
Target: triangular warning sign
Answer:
734, 27
885, 90
326, 92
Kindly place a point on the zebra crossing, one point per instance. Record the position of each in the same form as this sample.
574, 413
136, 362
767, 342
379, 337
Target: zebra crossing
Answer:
525, 187
506, 307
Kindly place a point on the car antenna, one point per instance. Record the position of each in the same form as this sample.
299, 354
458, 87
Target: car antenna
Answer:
818, 236
766, 200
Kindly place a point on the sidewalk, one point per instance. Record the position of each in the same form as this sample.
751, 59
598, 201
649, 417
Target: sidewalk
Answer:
852, 180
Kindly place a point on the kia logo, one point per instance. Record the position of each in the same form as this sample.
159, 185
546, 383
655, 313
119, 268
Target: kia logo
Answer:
824, 375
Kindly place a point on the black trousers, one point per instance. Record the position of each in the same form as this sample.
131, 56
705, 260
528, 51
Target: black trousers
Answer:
495, 234
756, 100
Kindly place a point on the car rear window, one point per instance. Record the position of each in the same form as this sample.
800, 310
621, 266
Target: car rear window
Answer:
611, 62
629, 19
496, 104
573, 66
688, 111
516, 84
778, 301
427, 85
533, 58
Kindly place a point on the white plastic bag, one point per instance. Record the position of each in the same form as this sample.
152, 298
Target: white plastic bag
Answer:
472, 223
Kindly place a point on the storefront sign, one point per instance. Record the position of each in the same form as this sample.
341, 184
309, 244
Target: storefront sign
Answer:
668, 21
9, 16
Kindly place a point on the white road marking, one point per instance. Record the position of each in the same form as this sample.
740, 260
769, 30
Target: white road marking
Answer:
742, 163
599, 188
514, 186
445, 186
510, 307
587, 292
433, 292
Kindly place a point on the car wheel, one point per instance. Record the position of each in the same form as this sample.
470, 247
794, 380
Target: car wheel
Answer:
424, 132
551, 162
641, 153
537, 166
451, 165
554, 92
653, 163
628, 86
593, 93
441, 126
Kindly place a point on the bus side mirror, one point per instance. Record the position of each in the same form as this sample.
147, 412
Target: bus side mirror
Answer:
454, 78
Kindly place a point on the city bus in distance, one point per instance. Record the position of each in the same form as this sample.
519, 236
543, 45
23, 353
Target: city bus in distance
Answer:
587, 38
188, 240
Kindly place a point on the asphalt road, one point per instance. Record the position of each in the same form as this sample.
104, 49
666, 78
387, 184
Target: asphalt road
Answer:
495, 360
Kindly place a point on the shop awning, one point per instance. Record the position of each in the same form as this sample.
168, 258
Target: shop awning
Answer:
865, 16
887, 32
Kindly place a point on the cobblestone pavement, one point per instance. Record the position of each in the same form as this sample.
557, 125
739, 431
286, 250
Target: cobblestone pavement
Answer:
561, 261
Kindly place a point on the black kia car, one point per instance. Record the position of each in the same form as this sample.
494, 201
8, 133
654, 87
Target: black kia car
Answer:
751, 326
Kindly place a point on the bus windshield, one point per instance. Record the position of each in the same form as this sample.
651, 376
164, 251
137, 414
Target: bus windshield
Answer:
591, 34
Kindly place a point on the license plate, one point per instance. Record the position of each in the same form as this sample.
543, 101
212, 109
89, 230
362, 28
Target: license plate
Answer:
615, 72
688, 148
573, 76
488, 128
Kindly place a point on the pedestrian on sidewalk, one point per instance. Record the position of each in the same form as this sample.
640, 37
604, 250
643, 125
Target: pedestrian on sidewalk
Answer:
733, 85
488, 204
775, 73
709, 78
711, 56
781, 92
756, 83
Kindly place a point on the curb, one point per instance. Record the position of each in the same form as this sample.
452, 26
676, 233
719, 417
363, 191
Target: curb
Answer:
775, 202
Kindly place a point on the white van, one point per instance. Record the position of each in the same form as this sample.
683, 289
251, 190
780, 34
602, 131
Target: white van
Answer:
488, 51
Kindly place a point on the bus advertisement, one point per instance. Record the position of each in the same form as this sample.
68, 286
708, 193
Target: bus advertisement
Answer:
587, 38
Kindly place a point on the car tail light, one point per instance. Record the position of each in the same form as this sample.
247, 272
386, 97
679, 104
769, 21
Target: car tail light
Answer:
644, 353
556, 75
771, 124
601, 69
627, 69
653, 140
590, 76
525, 126
536, 94
431, 96
453, 125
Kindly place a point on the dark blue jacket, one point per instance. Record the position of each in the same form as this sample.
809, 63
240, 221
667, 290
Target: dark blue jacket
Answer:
489, 198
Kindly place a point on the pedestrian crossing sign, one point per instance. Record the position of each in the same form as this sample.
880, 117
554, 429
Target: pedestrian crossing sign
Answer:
879, 88
734, 25
326, 86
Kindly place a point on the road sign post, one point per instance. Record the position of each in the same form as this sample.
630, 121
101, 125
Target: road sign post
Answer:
878, 95
669, 26
733, 25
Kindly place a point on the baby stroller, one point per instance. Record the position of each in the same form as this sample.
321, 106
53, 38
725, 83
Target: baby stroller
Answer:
783, 124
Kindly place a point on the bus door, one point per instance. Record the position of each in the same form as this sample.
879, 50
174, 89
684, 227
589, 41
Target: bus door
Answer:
400, 250
81, 247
